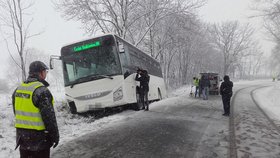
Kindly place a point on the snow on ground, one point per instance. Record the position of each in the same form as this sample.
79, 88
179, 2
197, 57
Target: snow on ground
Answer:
269, 100
70, 126
73, 126
255, 136
181, 91
7, 130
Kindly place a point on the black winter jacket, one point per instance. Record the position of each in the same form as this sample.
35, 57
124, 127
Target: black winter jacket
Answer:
226, 88
144, 82
204, 83
35, 140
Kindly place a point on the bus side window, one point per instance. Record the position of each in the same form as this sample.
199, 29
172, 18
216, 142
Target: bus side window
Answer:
125, 62
124, 58
121, 47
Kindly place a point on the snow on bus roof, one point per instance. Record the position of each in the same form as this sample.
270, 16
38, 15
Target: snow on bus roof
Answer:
212, 73
89, 38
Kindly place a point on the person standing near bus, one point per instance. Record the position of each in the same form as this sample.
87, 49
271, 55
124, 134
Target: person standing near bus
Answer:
226, 92
144, 87
205, 85
35, 121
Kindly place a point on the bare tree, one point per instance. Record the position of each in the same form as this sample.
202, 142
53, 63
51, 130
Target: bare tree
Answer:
132, 19
232, 40
158, 10
182, 46
13, 16
250, 65
167, 30
270, 11
104, 15
274, 63
55, 77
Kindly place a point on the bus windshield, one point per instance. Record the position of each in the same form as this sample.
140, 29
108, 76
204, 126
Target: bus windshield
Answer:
86, 62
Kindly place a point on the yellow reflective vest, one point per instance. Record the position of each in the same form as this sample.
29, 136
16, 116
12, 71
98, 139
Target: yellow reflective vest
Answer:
196, 82
27, 115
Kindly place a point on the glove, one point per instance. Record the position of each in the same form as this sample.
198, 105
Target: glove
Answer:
55, 144
53, 140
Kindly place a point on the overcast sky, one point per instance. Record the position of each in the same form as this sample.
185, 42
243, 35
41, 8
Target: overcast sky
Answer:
58, 32
222, 10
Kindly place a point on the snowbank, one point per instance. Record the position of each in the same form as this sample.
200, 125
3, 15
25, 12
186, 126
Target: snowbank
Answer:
269, 100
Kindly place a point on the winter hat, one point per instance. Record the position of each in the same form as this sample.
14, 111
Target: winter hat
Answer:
37, 66
226, 78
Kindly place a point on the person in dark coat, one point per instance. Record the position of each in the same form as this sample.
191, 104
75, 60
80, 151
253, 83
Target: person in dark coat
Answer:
144, 80
205, 85
38, 132
226, 92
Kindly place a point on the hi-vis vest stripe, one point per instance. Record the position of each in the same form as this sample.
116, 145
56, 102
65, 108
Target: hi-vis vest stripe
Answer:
28, 115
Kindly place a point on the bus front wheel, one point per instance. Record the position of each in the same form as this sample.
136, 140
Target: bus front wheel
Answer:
159, 95
72, 107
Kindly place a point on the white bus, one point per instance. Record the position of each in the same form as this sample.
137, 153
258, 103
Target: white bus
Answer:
100, 73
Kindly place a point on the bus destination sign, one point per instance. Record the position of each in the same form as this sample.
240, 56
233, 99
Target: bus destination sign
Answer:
86, 46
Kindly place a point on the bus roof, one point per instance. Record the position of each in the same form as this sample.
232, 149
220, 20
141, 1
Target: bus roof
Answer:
85, 39
112, 35
208, 73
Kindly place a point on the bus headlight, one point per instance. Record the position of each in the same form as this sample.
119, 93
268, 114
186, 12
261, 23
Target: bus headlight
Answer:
118, 94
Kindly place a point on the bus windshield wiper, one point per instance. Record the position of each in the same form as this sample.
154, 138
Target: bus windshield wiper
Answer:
77, 81
106, 76
98, 76
89, 77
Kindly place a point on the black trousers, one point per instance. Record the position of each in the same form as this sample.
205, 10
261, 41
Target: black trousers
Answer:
144, 99
226, 103
35, 154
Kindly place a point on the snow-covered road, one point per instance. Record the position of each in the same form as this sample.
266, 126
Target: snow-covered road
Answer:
256, 133
175, 127
179, 127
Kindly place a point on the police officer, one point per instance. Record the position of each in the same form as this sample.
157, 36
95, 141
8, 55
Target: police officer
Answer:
226, 92
196, 84
35, 121
144, 87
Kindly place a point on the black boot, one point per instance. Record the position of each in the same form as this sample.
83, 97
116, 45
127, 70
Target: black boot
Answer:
226, 114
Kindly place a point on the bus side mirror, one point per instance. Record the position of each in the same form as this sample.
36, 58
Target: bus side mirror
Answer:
126, 74
52, 58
